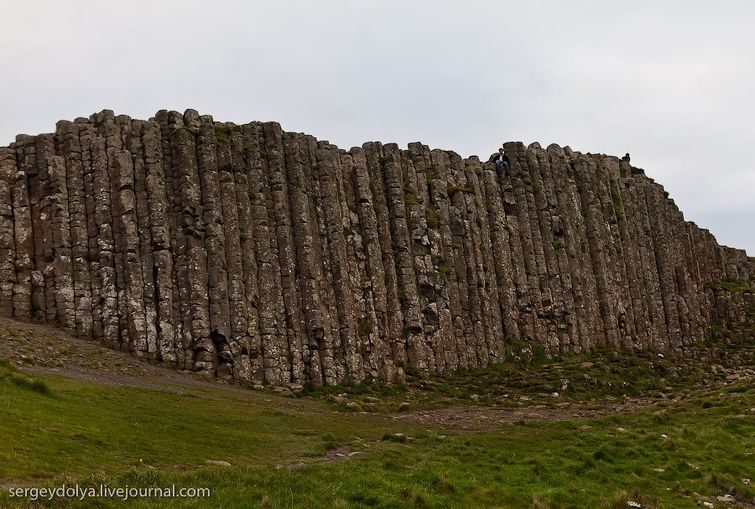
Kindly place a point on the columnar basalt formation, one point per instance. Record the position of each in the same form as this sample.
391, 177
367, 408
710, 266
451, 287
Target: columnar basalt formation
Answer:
251, 253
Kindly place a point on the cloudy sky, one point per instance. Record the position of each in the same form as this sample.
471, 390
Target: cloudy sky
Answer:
671, 82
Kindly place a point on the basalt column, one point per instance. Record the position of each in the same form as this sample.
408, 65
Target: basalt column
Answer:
249, 253
7, 232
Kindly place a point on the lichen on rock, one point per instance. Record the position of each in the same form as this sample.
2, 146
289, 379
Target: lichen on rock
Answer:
246, 252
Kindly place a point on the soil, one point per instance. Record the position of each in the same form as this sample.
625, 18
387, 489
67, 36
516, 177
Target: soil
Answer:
44, 350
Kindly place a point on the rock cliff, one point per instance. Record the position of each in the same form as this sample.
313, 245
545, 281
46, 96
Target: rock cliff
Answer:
262, 255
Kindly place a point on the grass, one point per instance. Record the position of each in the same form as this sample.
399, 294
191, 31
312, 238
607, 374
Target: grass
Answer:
222, 133
432, 218
732, 286
616, 199
131, 437
82, 428
598, 377
191, 130
365, 328
74, 431
9, 374
451, 190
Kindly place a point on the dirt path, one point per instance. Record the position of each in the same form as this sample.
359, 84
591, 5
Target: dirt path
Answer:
486, 418
43, 350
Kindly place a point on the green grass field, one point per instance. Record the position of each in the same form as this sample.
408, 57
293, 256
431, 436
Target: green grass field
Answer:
61, 430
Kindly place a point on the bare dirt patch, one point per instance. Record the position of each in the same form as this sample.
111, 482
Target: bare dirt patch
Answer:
485, 418
43, 350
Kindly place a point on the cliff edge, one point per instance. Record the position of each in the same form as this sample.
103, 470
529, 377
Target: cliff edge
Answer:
251, 253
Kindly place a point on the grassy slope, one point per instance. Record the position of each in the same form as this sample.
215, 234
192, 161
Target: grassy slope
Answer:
595, 379
84, 432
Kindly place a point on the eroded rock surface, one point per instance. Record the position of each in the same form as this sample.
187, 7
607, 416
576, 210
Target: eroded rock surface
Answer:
251, 253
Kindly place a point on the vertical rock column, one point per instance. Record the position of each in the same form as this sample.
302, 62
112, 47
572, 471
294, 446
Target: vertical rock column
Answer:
550, 282
362, 296
61, 237
375, 326
176, 159
345, 279
560, 249
656, 204
85, 133
239, 313
133, 131
191, 263
304, 350
37, 152
626, 261
155, 188
395, 334
577, 275
696, 294
620, 316
7, 240
103, 244
215, 246
501, 252
128, 252
452, 350
273, 339
408, 296
423, 228
585, 170
623, 185
689, 321
458, 225
651, 296
263, 275
23, 234
108, 127
486, 264
524, 241
481, 250
69, 143
698, 260
248, 364
313, 253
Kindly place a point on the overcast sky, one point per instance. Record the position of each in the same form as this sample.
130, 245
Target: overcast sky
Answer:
671, 82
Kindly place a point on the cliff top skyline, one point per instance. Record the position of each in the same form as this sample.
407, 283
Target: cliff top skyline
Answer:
601, 79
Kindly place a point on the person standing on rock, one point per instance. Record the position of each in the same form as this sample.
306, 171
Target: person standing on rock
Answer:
501, 161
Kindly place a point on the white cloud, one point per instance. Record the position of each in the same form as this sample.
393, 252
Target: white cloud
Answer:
668, 81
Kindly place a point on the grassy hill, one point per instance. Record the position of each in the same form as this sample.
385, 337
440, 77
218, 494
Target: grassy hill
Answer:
489, 438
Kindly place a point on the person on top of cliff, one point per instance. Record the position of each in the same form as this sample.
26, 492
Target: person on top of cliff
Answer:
625, 158
502, 162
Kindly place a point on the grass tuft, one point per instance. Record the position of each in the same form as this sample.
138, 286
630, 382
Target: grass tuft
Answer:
9, 374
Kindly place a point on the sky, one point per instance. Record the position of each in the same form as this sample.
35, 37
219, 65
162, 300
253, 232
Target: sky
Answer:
670, 82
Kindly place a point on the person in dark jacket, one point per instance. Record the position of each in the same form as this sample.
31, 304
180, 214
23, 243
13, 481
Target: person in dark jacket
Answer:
502, 163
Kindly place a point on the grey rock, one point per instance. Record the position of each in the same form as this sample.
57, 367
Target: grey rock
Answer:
253, 254
217, 463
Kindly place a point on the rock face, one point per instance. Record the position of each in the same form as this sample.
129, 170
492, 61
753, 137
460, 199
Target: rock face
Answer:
250, 253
